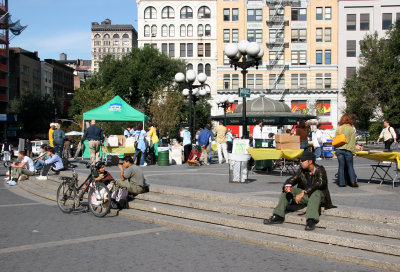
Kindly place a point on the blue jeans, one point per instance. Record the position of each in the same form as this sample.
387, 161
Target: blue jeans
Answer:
304, 145
137, 151
318, 152
39, 164
345, 159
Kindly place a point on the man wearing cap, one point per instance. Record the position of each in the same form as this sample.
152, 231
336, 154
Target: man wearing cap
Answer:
51, 130
311, 191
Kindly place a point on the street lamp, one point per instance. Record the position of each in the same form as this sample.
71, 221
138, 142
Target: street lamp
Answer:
235, 53
224, 102
190, 91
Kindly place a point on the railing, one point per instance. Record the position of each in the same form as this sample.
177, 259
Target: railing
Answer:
293, 3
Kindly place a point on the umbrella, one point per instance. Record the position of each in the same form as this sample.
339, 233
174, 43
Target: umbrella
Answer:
74, 133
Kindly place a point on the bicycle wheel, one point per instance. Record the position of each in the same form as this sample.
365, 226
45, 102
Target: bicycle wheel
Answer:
66, 194
99, 199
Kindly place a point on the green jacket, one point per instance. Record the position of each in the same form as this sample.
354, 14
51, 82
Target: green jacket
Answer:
350, 134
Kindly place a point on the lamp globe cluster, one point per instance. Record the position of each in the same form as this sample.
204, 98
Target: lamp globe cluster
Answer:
243, 48
190, 78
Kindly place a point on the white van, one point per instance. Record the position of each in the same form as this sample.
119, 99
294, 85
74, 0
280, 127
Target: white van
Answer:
37, 144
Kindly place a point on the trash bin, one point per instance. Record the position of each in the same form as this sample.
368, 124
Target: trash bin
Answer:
238, 168
263, 143
327, 149
163, 158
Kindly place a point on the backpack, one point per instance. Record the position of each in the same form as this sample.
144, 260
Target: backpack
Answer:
119, 199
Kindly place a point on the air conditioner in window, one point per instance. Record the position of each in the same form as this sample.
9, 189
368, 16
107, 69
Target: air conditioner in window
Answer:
153, 35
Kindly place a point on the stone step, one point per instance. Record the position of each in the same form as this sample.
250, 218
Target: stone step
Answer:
33, 188
328, 251
287, 230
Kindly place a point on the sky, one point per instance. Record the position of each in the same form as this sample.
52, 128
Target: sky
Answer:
61, 26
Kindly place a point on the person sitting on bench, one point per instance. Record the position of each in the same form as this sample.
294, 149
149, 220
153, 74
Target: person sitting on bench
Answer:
25, 167
312, 191
54, 163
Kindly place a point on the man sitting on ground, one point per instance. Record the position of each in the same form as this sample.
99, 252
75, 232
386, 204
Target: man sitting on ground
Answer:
40, 160
54, 162
25, 167
312, 191
131, 177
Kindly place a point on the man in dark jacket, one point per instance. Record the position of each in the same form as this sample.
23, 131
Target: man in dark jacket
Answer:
58, 140
311, 191
94, 135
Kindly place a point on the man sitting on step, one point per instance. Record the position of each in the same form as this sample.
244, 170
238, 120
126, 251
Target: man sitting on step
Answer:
54, 162
311, 191
25, 167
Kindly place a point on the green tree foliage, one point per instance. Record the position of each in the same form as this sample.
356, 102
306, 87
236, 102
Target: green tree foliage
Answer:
376, 85
36, 112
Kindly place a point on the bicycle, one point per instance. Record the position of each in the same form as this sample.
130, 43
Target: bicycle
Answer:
70, 195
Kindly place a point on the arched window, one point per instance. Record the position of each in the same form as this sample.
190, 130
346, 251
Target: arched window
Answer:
164, 31
106, 36
189, 66
97, 36
125, 36
208, 69
115, 36
204, 12
200, 68
207, 31
171, 30
147, 31
168, 13
190, 31
200, 30
183, 31
153, 30
186, 13
150, 13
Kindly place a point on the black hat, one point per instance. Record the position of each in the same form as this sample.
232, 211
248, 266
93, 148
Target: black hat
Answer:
307, 155
98, 164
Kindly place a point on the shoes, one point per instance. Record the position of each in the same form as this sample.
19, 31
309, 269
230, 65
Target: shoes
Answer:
275, 219
12, 183
22, 177
318, 159
8, 181
41, 177
354, 184
342, 185
310, 224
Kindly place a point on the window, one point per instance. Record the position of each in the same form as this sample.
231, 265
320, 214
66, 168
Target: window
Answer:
254, 81
386, 20
303, 81
299, 57
114, 43
183, 30
115, 36
227, 14
208, 69
299, 14
259, 81
107, 43
235, 14
319, 14
125, 36
276, 35
208, 50
25, 70
106, 36
172, 50
299, 81
98, 43
328, 34
254, 35
226, 60
189, 66
190, 49
168, 13
235, 35
97, 36
318, 57
254, 15
295, 81
323, 107
171, 30
200, 30
351, 22
200, 68
351, 48
276, 58
227, 79
328, 83
328, 57
186, 13
164, 31
350, 71
207, 30
227, 35
276, 82
328, 13
150, 13
204, 12
164, 48
319, 35
235, 81
147, 31
153, 30
276, 12
397, 16
200, 50
364, 21
182, 50
318, 81
190, 30
299, 35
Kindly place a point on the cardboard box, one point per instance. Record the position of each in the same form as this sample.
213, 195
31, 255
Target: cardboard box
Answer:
286, 138
121, 140
287, 146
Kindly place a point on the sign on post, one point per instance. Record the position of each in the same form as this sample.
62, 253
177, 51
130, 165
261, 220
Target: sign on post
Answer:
244, 92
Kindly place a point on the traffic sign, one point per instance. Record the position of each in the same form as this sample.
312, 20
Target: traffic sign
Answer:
244, 92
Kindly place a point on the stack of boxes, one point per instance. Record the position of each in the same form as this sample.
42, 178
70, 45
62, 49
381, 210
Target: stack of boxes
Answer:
286, 141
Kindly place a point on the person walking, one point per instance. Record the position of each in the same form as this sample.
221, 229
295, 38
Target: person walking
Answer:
186, 142
221, 142
318, 139
58, 140
229, 140
346, 152
388, 134
94, 135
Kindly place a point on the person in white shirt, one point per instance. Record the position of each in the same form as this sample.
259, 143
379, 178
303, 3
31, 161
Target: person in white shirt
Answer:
25, 167
257, 132
388, 134
318, 139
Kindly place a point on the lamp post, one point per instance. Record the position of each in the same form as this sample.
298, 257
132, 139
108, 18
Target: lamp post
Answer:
235, 53
190, 91
224, 102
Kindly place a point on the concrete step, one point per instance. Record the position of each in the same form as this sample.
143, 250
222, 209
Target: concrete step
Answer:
328, 251
31, 187
364, 242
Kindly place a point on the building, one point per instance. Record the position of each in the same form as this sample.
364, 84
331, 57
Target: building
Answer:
4, 37
356, 19
46, 78
107, 38
81, 69
186, 30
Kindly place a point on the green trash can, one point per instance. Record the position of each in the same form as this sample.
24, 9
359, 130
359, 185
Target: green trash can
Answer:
163, 158
263, 143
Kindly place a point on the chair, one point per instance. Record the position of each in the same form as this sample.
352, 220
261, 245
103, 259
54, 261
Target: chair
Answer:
380, 171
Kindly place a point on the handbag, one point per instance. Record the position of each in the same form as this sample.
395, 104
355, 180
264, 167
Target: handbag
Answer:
339, 139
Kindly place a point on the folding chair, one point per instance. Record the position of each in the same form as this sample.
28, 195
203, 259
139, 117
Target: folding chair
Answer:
380, 171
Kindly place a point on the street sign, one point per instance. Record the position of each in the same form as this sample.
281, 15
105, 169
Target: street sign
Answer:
244, 92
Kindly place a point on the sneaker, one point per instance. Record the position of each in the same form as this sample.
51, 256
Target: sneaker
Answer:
144, 164
12, 183
318, 159
41, 177
275, 219
8, 181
